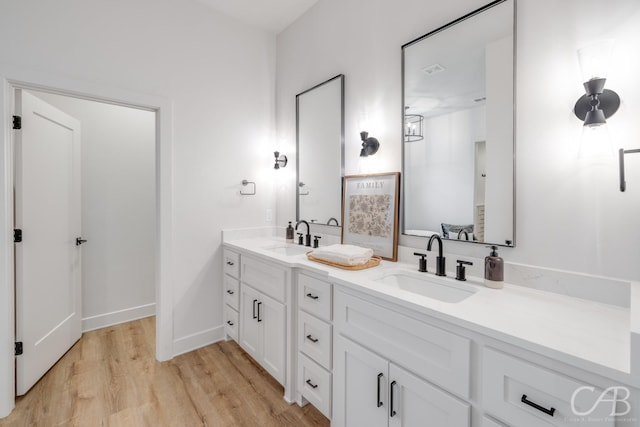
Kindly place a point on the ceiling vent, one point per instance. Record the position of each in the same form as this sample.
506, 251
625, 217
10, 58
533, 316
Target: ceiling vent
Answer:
433, 69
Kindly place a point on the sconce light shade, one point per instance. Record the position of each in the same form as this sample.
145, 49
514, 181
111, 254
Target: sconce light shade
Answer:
594, 109
595, 59
281, 160
370, 145
598, 103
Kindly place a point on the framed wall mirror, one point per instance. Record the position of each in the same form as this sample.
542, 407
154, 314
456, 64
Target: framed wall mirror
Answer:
320, 152
458, 128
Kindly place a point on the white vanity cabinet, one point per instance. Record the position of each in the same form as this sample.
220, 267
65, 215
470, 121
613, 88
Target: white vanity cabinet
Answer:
378, 353
522, 393
262, 330
375, 392
231, 292
315, 341
263, 319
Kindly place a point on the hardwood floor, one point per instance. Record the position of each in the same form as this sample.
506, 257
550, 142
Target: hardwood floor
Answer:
111, 378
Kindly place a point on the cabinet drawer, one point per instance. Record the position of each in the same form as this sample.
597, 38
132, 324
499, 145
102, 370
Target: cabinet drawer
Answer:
231, 261
231, 292
231, 322
511, 387
434, 354
488, 422
268, 279
314, 383
314, 296
314, 338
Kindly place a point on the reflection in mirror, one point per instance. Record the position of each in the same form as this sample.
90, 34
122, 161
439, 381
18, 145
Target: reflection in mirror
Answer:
458, 129
320, 147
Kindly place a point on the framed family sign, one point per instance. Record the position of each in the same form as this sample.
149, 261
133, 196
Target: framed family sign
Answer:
370, 213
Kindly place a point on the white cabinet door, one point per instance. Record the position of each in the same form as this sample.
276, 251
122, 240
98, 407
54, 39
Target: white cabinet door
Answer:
360, 386
413, 400
271, 317
249, 326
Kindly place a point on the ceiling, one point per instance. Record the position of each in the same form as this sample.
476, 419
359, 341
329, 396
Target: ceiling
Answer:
270, 15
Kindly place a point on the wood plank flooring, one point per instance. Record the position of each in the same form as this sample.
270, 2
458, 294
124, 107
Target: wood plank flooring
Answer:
111, 378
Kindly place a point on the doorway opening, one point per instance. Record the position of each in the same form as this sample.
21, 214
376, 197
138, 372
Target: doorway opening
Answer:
104, 156
162, 109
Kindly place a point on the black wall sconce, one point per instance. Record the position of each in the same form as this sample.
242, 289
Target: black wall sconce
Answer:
370, 145
281, 160
598, 103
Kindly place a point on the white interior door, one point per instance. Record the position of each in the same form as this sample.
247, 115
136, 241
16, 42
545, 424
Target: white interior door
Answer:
47, 203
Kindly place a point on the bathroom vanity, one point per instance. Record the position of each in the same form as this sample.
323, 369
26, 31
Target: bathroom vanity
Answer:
392, 346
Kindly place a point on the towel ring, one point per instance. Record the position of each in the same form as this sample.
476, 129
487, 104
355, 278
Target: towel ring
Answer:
245, 183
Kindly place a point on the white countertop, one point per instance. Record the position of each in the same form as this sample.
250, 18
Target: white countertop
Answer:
589, 335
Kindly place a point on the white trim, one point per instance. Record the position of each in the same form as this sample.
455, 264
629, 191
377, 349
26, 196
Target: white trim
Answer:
116, 317
198, 340
7, 316
10, 77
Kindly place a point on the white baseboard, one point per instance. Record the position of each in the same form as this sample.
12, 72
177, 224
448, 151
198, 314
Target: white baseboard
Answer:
117, 317
197, 340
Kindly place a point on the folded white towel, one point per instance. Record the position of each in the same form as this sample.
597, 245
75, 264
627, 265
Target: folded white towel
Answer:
344, 254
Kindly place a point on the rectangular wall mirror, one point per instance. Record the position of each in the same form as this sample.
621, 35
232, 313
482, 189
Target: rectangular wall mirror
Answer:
458, 128
320, 151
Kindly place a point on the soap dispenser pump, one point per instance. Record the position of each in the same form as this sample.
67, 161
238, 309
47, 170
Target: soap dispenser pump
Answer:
290, 233
494, 270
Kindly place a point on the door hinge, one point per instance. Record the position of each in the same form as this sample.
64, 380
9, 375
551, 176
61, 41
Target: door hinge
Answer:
17, 235
17, 122
19, 348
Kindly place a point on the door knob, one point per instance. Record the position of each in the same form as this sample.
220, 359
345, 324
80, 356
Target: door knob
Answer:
80, 240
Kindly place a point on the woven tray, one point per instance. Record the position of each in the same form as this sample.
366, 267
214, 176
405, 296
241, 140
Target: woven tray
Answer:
375, 260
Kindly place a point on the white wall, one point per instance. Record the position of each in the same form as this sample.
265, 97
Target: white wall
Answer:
569, 215
118, 209
220, 78
443, 161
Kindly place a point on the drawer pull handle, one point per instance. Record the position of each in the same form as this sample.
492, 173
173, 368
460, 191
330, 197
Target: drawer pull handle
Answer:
379, 401
312, 296
312, 339
254, 308
392, 412
229, 322
230, 292
259, 319
311, 384
229, 263
538, 407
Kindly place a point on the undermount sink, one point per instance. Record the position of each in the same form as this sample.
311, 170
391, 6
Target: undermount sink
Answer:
429, 286
288, 250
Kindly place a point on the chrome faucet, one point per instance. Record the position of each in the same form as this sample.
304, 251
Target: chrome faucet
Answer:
440, 260
307, 239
